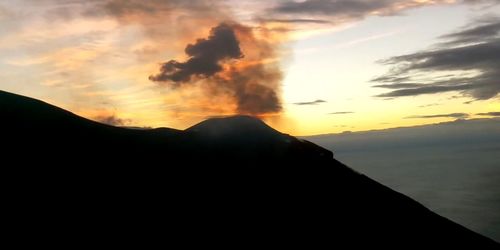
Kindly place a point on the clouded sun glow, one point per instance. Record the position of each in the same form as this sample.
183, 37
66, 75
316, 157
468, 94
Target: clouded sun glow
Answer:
307, 67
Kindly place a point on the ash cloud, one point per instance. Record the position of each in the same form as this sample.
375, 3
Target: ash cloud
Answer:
232, 51
219, 65
205, 57
248, 87
474, 49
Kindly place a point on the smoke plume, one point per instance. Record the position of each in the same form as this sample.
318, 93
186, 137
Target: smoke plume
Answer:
206, 56
236, 63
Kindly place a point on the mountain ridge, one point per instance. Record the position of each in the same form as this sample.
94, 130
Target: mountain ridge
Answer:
252, 185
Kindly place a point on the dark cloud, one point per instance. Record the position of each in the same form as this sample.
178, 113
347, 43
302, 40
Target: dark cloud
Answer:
310, 103
474, 49
390, 79
333, 7
346, 10
399, 85
430, 88
297, 21
341, 113
122, 8
127, 8
452, 115
205, 57
489, 114
112, 120
162, 20
337, 12
487, 29
356, 8
481, 1
220, 66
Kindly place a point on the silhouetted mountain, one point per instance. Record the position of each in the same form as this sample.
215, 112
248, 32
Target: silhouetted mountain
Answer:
248, 139
224, 182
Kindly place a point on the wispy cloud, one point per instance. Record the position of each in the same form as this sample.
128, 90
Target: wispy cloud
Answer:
474, 49
429, 105
311, 103
347, 8
366, 39
339, 11
112, 120
341, 113
297, 21
489, 114
452, 115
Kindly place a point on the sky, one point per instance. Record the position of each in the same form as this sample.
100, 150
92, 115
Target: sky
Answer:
305, 67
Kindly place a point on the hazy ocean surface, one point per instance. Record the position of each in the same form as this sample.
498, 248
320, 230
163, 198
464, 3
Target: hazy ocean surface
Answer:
451, 168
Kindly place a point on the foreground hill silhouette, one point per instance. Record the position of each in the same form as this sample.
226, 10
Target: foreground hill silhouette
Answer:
223, 182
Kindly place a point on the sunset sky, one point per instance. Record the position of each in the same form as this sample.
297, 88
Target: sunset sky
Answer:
306, 67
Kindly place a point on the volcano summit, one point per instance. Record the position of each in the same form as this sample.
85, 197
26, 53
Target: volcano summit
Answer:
225, 181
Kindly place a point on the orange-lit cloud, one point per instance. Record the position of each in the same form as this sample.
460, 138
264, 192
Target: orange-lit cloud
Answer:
236, 63
98, 54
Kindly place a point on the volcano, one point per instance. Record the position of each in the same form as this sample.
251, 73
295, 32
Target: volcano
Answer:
231, 181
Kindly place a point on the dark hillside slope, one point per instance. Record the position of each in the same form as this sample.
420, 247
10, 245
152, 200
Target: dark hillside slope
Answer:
224, 182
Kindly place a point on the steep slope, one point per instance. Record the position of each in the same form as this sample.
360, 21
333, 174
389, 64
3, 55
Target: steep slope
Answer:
32, 125
198, 184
